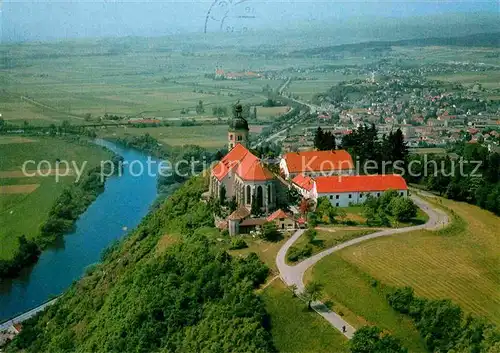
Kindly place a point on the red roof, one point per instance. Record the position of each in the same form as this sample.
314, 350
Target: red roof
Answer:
245, 164
360, 183
318, 161
277, 214
304, 182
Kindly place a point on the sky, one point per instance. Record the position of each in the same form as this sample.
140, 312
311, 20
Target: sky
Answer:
40, 20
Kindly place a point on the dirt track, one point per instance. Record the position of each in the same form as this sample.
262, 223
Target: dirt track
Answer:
18, 189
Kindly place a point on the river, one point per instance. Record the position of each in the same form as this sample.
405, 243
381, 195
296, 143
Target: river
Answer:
121, 207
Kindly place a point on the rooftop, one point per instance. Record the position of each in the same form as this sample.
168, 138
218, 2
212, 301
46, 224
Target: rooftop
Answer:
318, 161
360, 183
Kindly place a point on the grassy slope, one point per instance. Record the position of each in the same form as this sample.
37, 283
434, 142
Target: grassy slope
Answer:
24, 213
328, 238
350, 292
461, 262
295, 329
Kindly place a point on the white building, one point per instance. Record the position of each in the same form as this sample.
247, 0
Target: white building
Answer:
343, 191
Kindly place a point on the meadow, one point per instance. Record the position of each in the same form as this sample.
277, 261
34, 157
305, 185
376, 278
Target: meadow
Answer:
150, 78
212, 137
23, 210
316, 82
490, 79
329, 237
294, 328
460, 262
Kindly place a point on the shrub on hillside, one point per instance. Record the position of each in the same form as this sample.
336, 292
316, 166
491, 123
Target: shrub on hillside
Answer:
295, 254
371, 339
443, 325
238, 243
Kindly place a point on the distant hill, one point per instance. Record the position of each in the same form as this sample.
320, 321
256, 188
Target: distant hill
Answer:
473, 40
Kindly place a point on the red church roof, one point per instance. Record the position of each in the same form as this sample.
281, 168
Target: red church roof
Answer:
318, 161
246, 165
359, 183
304, 182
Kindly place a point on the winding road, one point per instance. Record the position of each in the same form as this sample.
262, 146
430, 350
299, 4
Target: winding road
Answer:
294, 275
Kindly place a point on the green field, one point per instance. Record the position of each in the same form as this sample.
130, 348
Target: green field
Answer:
316, 82
490, 79
329, 237
47, 84
295, 329
350, 292
461, 263
207, 136
23, 212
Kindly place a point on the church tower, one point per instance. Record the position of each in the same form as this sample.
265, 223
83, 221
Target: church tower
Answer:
238, 129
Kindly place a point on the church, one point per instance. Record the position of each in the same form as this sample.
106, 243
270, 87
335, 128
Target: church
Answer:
241, 174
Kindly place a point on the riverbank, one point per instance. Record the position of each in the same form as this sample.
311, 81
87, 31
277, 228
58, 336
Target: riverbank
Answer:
107, 219
136, 287
32, 221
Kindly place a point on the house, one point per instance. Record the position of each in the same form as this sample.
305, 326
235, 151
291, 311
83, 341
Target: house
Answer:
282, 220
240, 222
354, 189
314, 163
240, 174
303, 184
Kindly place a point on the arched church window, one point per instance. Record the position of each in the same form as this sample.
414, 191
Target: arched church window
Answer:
260, 196
249, 195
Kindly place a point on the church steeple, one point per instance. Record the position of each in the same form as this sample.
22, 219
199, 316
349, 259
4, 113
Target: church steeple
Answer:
238, 128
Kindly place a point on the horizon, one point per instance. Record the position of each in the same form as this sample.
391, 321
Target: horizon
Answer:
41, 21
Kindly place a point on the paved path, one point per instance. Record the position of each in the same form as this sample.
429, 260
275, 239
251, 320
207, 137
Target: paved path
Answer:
294, 275
27, 315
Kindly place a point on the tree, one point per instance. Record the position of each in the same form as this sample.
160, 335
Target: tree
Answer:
311, 235
403, 209
270, 232
293, 196
304, 206
312, 219
199, 108
324, 141
371, 339
312, 292
318, 138
325, 211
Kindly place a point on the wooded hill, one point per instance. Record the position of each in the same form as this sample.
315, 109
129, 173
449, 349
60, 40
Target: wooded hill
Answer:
190, 297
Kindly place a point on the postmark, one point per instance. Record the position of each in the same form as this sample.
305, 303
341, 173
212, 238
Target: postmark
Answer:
230, 16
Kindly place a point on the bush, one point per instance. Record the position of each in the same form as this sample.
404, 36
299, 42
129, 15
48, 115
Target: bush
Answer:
296, 254
238, 243
373, 340
270, 232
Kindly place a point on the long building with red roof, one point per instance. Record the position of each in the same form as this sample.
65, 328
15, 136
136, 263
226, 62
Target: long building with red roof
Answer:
316, 163
351, 189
